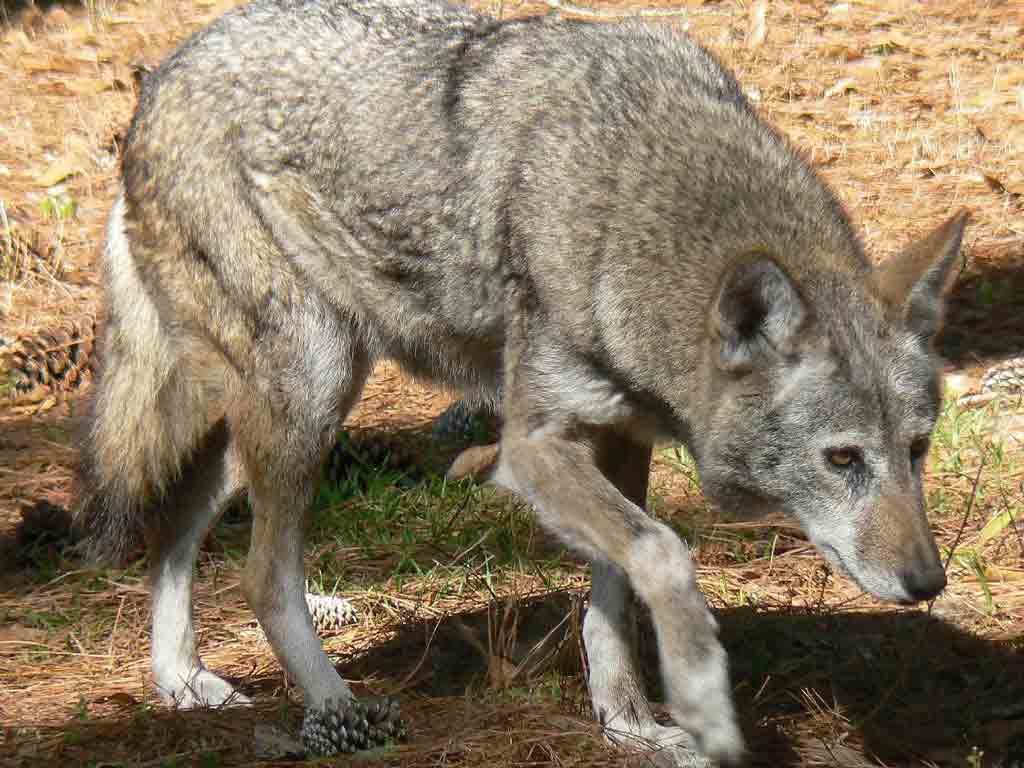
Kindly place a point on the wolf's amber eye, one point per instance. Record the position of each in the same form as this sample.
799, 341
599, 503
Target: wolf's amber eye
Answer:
919, 448
842, 457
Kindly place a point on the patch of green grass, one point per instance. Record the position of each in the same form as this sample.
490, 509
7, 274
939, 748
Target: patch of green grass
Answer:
962, 437
550, 687
973, 483
413, 528
51, 621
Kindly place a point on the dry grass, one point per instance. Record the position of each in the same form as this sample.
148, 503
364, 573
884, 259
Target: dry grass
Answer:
910, 110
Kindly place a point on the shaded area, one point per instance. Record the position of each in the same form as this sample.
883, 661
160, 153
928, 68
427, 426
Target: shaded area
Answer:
902, 687
905, 685
985, 311
36, 455
11, 10
37, 539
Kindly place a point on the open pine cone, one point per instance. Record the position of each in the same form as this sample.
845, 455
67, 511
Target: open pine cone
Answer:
51, 363
22, 254
330, 612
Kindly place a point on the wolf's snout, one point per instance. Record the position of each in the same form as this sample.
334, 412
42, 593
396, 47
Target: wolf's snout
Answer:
923, 583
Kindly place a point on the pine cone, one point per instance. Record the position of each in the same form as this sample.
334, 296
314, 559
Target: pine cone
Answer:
1007, 376
370, 454
462, 422
352, 725
21, 255
330, 612
53, 363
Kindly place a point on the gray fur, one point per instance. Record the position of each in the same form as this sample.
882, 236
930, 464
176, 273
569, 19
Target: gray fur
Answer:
586, 227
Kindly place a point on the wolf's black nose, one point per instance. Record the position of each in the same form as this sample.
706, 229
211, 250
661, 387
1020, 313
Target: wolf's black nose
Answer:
924, 584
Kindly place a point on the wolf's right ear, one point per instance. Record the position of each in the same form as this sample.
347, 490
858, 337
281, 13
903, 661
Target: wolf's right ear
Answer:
914, 283
757, 314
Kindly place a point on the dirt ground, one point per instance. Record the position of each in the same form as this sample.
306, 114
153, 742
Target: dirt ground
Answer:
910, 110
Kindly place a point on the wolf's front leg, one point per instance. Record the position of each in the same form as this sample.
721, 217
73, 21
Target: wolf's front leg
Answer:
616, 685
617, 689
560, 477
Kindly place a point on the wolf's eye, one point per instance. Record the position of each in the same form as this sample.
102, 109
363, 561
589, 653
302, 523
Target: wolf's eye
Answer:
842, 457
919, 449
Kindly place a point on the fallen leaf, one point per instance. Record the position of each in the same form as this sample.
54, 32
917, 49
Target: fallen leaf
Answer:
997, 573
34, 64
1014, 189
71, 164
94, 57
121, 699
841, 51
88, 86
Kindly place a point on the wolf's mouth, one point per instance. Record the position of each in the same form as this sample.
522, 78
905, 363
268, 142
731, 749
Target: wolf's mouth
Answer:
831, 554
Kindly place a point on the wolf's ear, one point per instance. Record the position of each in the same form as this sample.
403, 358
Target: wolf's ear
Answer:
757, 313
914, 283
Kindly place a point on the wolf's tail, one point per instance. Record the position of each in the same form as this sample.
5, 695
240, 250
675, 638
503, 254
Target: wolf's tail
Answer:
145, 417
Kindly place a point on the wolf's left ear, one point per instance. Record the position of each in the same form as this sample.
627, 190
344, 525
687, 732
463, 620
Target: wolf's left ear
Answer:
757, 314
915, 282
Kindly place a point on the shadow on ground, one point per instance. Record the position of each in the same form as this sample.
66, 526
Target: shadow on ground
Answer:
985, 312
37, 540
11, 9
903, 686
812, 689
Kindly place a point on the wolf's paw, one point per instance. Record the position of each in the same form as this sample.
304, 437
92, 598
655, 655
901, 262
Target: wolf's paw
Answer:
200, 688
477, 462
699, 692
707, 714
722, 742
667, 746
349, 725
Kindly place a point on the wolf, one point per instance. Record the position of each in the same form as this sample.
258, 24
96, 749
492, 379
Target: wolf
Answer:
586, 227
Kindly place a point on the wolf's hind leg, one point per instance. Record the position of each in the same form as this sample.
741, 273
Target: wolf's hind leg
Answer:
174, 535
609, 632
304, 378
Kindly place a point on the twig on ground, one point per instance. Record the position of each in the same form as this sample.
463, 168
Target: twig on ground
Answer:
625, 13
963, 523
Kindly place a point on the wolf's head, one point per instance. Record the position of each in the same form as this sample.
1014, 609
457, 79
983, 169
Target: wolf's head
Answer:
827, 392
